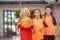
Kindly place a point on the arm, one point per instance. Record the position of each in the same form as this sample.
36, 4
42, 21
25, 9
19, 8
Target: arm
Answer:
54, 22
18, 24
45, 25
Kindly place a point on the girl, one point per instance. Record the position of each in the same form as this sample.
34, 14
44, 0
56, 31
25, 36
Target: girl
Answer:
37, 25
25, 31
49, 19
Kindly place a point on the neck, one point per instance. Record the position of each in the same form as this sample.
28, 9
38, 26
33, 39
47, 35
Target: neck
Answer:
37, 17
48, 15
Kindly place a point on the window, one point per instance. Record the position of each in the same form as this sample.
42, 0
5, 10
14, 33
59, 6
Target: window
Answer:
10, 18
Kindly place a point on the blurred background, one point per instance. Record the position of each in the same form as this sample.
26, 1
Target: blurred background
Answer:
9, 15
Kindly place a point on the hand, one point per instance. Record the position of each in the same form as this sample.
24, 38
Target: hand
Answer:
17, 25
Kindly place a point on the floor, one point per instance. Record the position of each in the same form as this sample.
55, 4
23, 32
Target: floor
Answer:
17, 38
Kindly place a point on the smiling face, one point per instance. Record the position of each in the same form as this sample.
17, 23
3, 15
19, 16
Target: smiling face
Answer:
25, 14
48, 11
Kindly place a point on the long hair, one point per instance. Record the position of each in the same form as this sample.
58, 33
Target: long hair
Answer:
50, 13
38, 10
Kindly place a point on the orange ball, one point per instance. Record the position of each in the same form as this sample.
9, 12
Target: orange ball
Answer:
26, 22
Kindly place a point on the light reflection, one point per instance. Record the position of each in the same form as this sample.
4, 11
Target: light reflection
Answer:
9, 20
5, 26
5, 19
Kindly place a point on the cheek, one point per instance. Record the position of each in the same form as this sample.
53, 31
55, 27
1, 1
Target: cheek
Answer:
46, 11
37, 13
50, 11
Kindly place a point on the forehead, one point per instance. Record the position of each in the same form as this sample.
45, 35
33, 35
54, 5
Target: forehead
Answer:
37, 10
48, 8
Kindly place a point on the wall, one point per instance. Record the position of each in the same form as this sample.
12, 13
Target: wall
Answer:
31, 7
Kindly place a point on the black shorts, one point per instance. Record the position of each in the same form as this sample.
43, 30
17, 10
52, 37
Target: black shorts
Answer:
49, 37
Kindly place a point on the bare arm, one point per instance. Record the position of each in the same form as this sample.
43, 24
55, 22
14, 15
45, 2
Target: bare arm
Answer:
17, 25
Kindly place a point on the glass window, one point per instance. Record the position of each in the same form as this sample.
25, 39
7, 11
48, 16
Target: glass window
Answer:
5, 26
9, 22
5, 19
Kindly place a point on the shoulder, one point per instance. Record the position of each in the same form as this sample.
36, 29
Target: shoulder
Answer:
41, 19
19, 19
53, 17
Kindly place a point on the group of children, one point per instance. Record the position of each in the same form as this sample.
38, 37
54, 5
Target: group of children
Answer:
42, 28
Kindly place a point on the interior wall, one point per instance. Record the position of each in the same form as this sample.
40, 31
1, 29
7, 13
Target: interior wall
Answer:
31, 7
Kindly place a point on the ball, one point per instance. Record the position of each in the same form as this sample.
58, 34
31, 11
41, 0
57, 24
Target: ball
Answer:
26, 22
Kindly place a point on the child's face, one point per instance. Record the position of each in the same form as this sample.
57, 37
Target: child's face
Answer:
48, 11
25, 14
37, 13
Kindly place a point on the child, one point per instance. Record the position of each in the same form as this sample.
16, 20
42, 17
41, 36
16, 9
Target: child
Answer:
23, 23
49, 19
37, 25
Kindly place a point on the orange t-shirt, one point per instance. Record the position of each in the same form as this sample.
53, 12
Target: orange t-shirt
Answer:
37, 26
51, 29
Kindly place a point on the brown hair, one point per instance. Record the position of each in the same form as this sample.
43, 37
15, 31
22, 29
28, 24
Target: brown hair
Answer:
38, 10
51, 12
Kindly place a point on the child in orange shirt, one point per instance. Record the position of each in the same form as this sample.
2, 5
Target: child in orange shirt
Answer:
49, 20
37, 25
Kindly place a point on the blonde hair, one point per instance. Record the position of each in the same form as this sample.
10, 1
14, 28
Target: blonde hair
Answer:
24, 10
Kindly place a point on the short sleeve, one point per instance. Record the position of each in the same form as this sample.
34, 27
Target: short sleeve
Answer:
45, 25
54, 21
